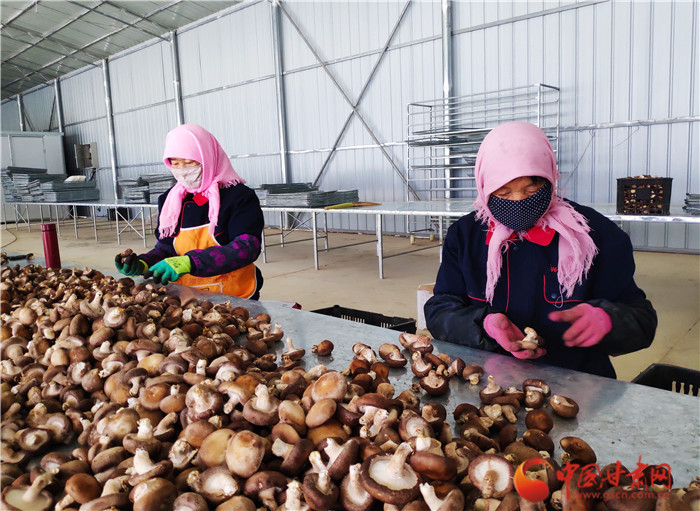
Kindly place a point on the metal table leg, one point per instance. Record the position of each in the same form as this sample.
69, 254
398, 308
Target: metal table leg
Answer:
75, 221
116, 223
281, 228
314, 228
325, 229
58, 221
94, 220
263, 249
380, 247
143, 227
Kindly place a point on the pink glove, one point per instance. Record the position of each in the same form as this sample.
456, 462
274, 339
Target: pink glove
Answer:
507, 335
588, 325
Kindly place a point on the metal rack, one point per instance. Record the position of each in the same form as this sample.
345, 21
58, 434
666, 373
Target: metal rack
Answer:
444, 136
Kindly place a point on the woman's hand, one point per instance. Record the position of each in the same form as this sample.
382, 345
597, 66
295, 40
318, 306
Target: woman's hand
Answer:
169, 269
508, 336
588, 325
131, 265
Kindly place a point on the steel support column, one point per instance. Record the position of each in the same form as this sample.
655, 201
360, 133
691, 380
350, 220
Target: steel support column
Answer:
20, 106
447, 73
110, 127
175, 53
59, 104
279, 85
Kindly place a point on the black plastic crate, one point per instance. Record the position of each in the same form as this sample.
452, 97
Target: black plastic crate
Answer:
644, 195
407, 325
668, 377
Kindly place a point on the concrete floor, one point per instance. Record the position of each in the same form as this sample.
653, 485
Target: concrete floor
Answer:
349, 277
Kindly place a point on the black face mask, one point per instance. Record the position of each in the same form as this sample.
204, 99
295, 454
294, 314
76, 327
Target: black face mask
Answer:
521, 215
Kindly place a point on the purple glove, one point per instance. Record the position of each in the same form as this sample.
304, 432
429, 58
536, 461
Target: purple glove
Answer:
507, 335
588, 325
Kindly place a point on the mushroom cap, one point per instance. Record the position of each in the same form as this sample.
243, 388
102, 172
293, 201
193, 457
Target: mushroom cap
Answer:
538, 439
331, 385
500, 470
190, 501
433, 466
297, 457
539, 419
156, 494
265, 480
244, 453
12, 500
384, 486
83, 488
339, 466
320, 412
563, 406
578, 449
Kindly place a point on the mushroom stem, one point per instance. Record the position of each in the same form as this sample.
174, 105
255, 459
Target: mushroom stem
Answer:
262, 398
429, 496
201, 367
267, 497
142, 462
489, 482
66, 501
317, 462
114, 485
398, 459
332, 450
39, 484
145, 430
281, 448
294, 494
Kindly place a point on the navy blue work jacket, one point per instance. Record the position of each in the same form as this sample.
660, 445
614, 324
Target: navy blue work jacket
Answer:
528, 290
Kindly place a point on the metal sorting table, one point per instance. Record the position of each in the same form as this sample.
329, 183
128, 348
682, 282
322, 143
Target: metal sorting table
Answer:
454, 208
621, 421
21, 210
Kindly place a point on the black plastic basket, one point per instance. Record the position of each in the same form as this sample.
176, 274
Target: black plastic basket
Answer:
668, 377
407, 325
644, 195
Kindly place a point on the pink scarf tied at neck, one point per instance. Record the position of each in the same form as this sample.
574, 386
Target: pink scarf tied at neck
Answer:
192, 142
521, 149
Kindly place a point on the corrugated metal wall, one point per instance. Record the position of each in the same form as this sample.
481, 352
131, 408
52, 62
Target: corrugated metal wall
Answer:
615, 62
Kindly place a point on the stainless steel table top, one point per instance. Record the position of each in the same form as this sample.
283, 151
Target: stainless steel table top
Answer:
621, 421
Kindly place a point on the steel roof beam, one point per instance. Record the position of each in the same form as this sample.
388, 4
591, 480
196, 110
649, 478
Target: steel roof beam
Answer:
114, 18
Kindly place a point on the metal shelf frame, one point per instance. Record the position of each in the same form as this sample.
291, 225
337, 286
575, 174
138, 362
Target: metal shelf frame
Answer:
444, 136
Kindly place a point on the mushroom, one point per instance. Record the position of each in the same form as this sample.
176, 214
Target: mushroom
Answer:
353, 495
155, 493
261, 410
292, 354
539, 419
433, 466
216, 484
320, 412
295, 455
564, 406
266, 485
294, 498
576, 449
320, 492
142, 439
25, 497
538, 439
531, 341
330, 385
388, 478
491, 391
392, 355
190, 501
212, 451
244, 453
340, 457
537, 384
434, 383
492, 475
144, 469
323, 348
453, 501
79, 488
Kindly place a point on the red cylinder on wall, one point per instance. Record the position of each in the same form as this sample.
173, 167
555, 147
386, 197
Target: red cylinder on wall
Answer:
51, 252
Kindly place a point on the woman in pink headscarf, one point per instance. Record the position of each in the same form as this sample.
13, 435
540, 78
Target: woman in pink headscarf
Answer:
209, 223
528, 258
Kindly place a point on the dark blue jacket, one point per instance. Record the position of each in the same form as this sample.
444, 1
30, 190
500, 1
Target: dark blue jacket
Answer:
528, 290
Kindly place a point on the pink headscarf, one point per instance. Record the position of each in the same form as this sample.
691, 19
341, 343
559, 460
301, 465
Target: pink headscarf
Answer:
520, 149
192, 142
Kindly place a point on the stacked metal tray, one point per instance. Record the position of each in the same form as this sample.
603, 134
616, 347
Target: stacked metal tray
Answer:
158, 184
312, 199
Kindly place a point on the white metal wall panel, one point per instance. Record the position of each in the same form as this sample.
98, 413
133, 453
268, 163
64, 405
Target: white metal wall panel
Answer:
142, 78
83, 96
140, 135
232, 49
9, 116
38, 109
243, 119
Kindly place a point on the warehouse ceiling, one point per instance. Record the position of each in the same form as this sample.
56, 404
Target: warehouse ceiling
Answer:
44, 39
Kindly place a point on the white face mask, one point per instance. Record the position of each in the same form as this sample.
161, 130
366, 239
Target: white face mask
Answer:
189, 177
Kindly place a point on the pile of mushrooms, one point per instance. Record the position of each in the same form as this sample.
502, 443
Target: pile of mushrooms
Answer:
117, 395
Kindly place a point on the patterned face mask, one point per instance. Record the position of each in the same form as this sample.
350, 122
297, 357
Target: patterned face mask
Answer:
189, 177
521, 215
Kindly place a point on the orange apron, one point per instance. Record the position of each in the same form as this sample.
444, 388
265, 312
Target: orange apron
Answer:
240, 282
